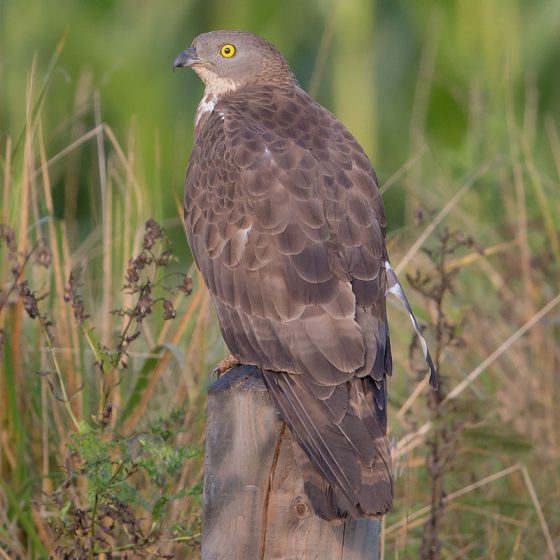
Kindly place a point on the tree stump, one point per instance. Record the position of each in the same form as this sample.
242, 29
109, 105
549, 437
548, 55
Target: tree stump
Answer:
255, 507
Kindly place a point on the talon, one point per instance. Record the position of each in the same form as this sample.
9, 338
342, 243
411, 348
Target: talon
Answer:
225, 365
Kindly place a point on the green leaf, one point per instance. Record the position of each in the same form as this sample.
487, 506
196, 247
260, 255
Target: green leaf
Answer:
159, 507
65, 509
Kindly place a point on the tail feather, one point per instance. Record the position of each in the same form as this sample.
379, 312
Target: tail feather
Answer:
347, 464
302, 420
394, 286
328, 501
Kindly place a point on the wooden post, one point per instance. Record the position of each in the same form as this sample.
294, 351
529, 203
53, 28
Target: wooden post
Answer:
254, 504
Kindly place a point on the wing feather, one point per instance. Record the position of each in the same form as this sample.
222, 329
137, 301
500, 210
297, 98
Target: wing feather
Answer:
286, 224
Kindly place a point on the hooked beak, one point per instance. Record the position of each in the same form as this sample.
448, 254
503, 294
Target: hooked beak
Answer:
186, 59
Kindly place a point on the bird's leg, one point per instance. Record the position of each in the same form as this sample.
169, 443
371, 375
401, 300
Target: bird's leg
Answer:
225, 365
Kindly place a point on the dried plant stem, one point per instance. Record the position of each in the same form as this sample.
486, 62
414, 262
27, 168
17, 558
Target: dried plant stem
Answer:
70, 148
521, 202
7, 180
475, 256
469, 182
495, 516
449, 498
458, 389
540, 514
132, 420
58, 371
405, 521
409, 164
418, 390
62, 323
413, 440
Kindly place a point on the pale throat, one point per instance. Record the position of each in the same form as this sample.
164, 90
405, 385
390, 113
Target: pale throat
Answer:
216, 87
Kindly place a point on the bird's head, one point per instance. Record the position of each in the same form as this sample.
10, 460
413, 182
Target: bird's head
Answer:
228, 60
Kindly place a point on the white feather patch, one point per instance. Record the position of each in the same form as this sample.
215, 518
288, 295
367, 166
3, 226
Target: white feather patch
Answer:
207, 104
245, 233
395, 288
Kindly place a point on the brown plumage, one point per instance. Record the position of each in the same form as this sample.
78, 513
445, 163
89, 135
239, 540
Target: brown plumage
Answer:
286, 223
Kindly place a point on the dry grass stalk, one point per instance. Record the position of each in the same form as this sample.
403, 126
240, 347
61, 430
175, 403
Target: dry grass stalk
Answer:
431, 227
412, 440
405, 523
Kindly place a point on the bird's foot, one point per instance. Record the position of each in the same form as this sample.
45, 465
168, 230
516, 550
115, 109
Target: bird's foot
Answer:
225, 365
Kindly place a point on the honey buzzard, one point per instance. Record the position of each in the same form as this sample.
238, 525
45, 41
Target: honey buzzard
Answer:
286, 223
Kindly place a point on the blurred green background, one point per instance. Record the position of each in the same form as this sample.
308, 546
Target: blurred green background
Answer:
385, 65
457, 103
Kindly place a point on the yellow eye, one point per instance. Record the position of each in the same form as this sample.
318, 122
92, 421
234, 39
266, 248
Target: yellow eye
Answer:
227, 51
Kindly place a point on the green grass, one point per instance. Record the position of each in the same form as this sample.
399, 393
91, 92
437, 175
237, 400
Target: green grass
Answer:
81, 384
457, 105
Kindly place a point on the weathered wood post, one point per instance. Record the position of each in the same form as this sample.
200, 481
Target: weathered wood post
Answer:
254, 504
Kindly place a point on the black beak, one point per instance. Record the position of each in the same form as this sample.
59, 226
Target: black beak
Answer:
187, 58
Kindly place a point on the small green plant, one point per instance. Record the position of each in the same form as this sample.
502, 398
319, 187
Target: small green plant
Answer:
117, 487
128, 483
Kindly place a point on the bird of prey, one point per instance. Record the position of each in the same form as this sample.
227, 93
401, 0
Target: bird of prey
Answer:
286, 223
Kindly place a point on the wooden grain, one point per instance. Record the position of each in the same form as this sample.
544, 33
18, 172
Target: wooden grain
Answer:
254, 503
